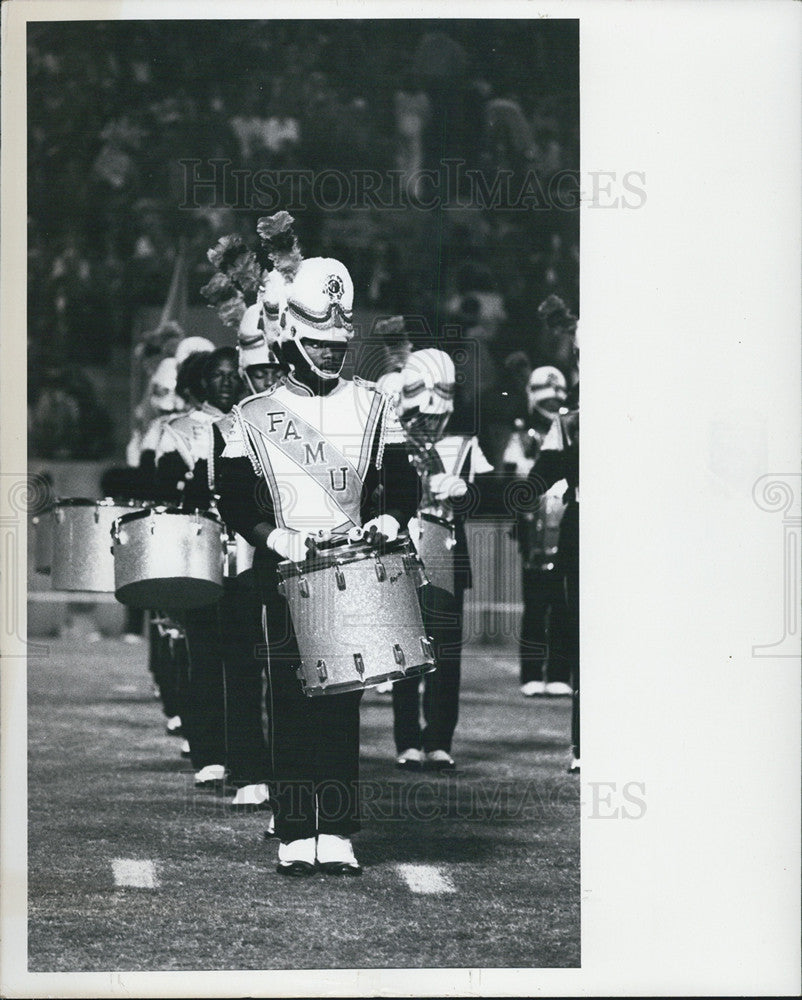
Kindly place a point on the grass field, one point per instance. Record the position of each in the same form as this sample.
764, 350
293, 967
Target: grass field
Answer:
131, 868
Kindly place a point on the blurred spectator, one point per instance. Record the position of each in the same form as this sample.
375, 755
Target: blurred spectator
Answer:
412, 114
65, 419
555, 342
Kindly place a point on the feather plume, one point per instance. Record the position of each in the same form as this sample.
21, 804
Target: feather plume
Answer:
233, 258
218, 289
280, 247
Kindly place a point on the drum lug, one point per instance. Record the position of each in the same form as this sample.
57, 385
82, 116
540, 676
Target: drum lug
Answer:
97, 515
381, 572
303, 587
281, 588
299, 673
339, 576
426, 647
359, 663
398, 653
322, 673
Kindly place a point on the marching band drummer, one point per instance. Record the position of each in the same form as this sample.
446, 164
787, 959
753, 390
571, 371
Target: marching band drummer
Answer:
247, 763
447, 464
138, 483
181, 476
304, 460
542, 588
559, 459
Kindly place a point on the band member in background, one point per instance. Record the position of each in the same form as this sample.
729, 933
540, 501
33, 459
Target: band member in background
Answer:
182, 477
305, 460
559, 459
447, 464
188, 386
247, 762
138, 483
542, 672
397, 348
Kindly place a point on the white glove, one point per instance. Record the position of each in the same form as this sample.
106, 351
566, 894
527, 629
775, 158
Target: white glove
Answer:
444, 486
413, 527
288, 544
385, 525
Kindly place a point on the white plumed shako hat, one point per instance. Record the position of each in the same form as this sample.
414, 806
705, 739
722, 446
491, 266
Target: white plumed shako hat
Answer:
546, 383
428, 383
256, 336
319, 302
192, 345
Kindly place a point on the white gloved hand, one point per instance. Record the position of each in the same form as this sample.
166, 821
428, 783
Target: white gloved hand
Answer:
445, 486
385, 525
288, 544
413, 527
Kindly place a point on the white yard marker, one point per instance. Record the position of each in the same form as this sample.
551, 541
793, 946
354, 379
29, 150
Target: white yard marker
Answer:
137, 874
426, 879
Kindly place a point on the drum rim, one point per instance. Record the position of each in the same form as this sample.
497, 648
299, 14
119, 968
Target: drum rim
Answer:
86, 502
357, 552
436, 519
159, 509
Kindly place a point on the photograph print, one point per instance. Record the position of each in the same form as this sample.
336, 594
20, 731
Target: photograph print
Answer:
303, 455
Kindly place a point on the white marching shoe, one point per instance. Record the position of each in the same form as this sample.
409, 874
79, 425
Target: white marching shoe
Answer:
558, 689
532, 689
251, 795
174, 726
440, 760
410, 760
210, 776
335, 855
297, 857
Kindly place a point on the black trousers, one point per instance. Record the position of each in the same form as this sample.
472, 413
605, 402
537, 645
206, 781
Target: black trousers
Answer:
568, 646
313, 744
203, 718
223, 699
571, 641
166, 661
542, 625
243, 665
442, 620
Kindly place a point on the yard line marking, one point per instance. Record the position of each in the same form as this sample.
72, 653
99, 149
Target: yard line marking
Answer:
137, 874
426, 879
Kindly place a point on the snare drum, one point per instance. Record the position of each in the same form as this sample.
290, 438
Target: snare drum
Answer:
541, 530
239, 556
356, 616
82, 558
164, 558
43, 541
436, 543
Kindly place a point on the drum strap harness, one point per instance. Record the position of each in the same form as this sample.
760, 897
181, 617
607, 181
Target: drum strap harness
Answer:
307, 448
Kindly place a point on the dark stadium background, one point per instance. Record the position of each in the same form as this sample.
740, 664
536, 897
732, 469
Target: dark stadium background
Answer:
115, 107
